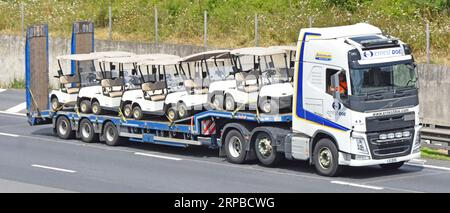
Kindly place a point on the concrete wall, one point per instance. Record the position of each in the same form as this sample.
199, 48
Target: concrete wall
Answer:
12, 56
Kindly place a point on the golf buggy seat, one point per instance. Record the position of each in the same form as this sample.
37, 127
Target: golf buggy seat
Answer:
247, 81
154, 91
196, 86
69, 83
113, 87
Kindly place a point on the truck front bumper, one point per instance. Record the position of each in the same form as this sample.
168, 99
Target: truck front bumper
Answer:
344, 160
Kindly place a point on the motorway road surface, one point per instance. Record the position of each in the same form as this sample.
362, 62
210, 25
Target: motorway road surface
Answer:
32, 159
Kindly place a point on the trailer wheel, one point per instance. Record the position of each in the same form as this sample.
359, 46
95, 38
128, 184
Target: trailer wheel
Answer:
326, 158
234, 147
127, 111
96, 108
230, 104
85, 106
183, 110
111, 135
64, 128
266, 153
87, 133
55, 104
137, 112
172, 113
392, 166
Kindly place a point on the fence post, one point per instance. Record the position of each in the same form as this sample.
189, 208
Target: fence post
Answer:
256, 31
205, 26
156, 26
428, 42
110, 22
22, 16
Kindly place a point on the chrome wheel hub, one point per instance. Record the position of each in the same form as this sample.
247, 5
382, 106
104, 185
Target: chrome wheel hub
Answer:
235, 146
325, 158
265, 147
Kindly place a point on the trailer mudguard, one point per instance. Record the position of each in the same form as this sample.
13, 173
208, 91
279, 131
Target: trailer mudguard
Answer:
36, 74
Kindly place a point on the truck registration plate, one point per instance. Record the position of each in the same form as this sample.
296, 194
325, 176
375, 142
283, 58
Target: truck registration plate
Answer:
392, 160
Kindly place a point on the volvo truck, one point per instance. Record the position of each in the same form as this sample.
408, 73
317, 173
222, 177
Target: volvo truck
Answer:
354, 104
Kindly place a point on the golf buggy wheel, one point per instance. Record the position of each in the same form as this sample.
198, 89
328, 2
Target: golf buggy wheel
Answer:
269, 106
266, 153
127, 111
183, 110
64, 128
326, 158
87, 132
55, 104
217, 101
234, 147
172, 113
85, 106
96, 108
230, 104
111, 135
137, 112
392, 166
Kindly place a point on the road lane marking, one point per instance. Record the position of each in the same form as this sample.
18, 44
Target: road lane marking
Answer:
53, 168
13, 113
356, 185
429, 166
2, 90
157, 156
18, 107
8, 134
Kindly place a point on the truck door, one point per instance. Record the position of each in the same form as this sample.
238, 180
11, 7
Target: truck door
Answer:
337, 85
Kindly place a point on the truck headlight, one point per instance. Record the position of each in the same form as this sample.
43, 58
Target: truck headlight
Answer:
360, 144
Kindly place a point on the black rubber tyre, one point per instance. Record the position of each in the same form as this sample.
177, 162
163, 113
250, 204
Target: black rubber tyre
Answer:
172, 113
87, 133
96, 108
127, 111
265, 152
392, 166
234, 147
111, 135
55, 104
137, 113
64, 128
183, 111
217, 101
269, 106
85, 106
230, 104
326, 158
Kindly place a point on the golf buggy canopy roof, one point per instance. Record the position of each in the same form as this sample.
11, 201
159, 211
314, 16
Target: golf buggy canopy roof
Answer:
93, 56
257, 51
214, 54
162, 62
285, 48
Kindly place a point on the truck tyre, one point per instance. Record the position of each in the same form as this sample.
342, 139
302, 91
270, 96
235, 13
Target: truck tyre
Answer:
266, 153
230, 104
64, 128
87, 133
217, 101
85, 106
234, 147
183, 111
127, 111
111, 135
326, 158
96, 108
269, 106
172, 113
392, 166
137, 112
55, 104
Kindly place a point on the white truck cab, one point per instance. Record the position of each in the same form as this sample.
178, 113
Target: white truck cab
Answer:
355, 99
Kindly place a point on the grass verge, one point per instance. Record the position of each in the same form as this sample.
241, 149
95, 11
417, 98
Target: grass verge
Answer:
434, 154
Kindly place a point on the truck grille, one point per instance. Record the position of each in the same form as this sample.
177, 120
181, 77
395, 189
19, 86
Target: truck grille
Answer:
383, 147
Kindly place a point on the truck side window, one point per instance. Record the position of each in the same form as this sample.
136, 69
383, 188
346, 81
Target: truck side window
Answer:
329, 74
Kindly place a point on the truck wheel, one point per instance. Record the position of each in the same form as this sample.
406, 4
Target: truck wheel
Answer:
326, 158
392, 166
55, 104
269, 106
127, 111
87, 133
111, 135
137, 112
172, 113
230, 105
85, 106
217, 101
96, 108
64, 128
183, 110
234, 147
266, 153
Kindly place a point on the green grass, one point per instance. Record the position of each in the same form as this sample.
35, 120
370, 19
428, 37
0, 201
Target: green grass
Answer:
434, 154
16, 84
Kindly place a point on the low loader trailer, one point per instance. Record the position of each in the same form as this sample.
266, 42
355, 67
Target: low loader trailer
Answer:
354, 104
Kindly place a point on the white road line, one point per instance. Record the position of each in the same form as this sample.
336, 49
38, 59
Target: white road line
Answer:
18, 107
356, 185
157, 156
429, 166
13, 113
2, 90
8, 134
53, 168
